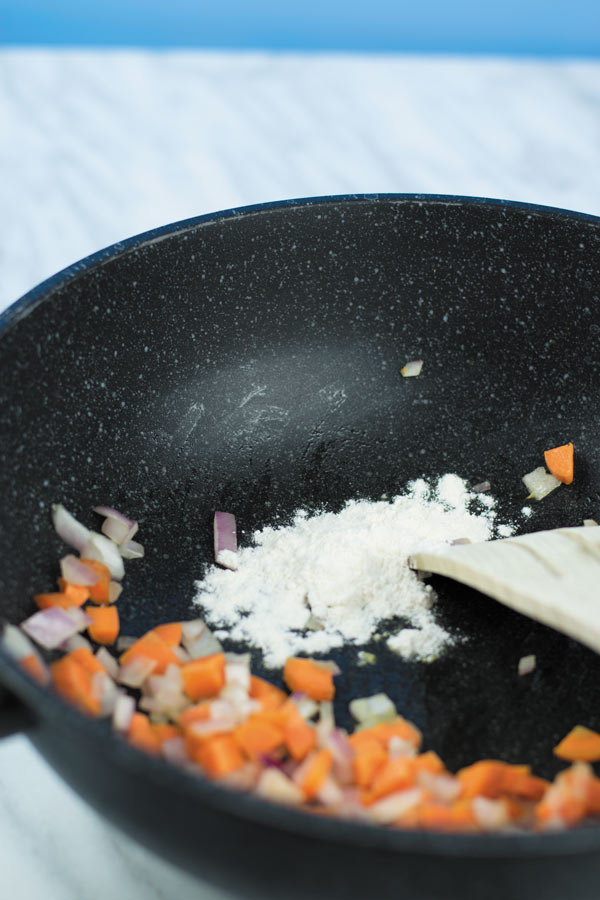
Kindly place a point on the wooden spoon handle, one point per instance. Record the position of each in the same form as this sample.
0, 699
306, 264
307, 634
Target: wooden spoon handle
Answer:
551, 576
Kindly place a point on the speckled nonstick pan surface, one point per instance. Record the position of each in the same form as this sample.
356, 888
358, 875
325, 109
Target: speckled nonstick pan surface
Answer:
123, 381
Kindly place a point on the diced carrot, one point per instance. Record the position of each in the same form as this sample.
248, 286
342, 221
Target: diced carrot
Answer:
437, 817
256, 737
55, 598
299, 737
87, 660
99, 592
369, 758
383, 732
151, 646
143, 735
35, 668
200, 712
220, 756
306, 676
74, 683
205, 677
316, 773
395, 775
560, 462
581, 744
524, 785
104, 627
568, 800
268, 695
165, 732
169, 632
77, 592
430, 762
485, 778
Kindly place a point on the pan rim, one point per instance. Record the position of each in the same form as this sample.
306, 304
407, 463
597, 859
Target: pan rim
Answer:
247, 806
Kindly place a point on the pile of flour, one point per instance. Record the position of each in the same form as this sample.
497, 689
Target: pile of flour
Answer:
345, 573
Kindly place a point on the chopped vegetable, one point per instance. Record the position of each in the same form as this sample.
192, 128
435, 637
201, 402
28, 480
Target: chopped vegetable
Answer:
50, 627
225, 537
68, 528
204, 710
104, 627
100, 589
74, 683
527, 664
412, 368
581, 744
100, 548
559, 461
482, 487
204, 678
540, 483
306, 676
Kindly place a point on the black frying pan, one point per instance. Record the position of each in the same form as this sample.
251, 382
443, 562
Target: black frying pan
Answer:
121, 381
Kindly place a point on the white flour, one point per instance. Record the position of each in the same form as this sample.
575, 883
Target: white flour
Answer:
346, 570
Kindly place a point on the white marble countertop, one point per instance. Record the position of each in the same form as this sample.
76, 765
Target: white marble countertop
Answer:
97, 146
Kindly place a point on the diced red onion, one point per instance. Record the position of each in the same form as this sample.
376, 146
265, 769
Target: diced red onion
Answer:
105, 690
225, 538
343, 754
108, 661
99, 547
243, 779
50, 627
131, 550
16, 643
68, 528
237, 670
212, 726
443, 788
114, 591
482, 487
412, 368
124, 642
174, 751
326, 723
123, 712
109, 513
116, 526
330, 793
392, 807
274, 785
76, 572
206, 645
400, 748
490, 815
77, 642
527, 664
79, 617
306, 706
458, 541
134, 673
191, 631
181, 654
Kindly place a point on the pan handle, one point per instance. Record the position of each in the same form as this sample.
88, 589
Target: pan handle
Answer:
15, 716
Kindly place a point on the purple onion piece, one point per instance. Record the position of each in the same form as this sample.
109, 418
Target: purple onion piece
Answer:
225, 540
68, 528
76, 572
109, 513
482, 487
131, 550
50, 627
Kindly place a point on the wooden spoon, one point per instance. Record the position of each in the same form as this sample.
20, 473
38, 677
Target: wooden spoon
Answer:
552, 576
